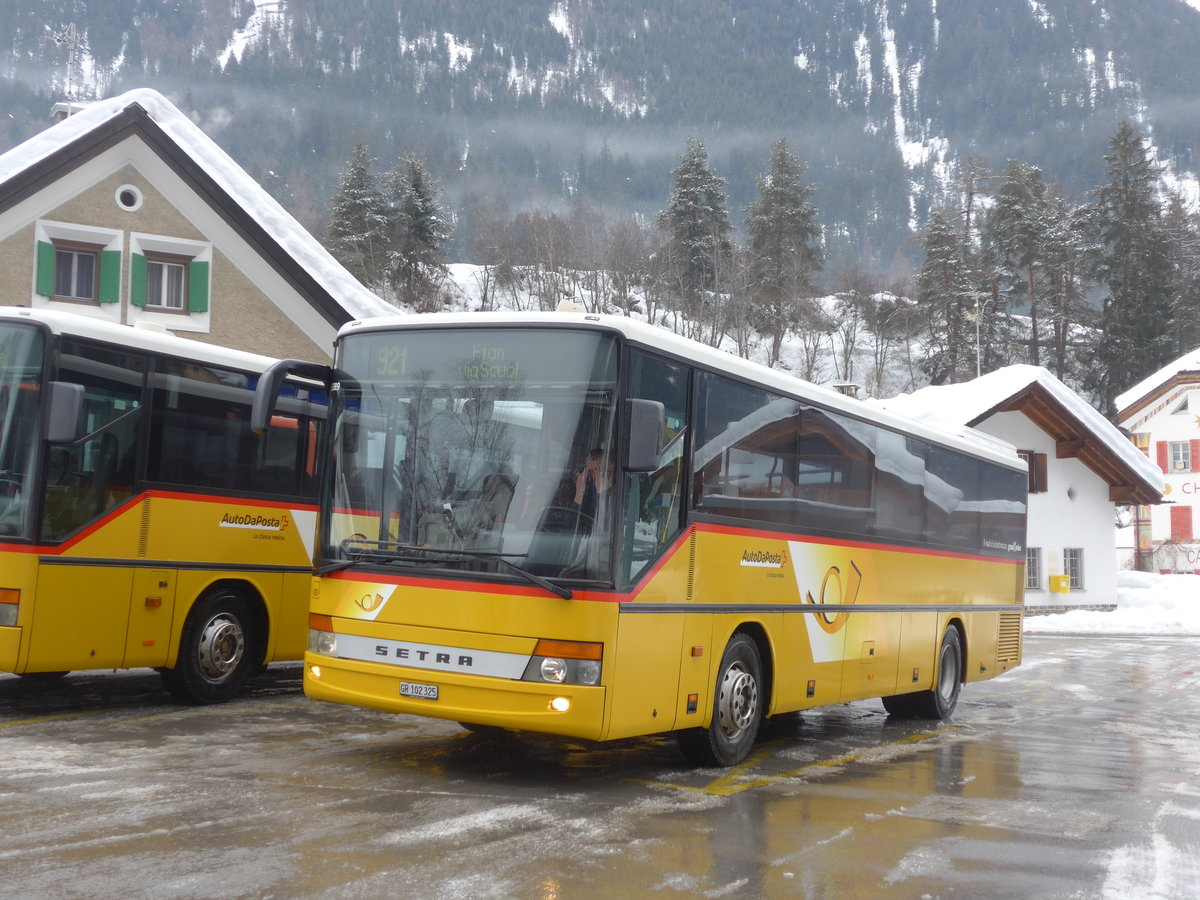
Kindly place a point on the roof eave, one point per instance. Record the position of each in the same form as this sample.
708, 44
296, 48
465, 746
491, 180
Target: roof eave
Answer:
1074, 440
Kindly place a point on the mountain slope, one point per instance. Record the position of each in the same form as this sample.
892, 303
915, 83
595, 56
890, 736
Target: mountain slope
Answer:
539, 100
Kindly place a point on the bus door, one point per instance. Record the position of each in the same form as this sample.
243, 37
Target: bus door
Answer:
81, 616
649, 680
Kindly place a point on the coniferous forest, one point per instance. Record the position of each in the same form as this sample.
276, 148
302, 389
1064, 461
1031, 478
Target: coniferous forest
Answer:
956, 154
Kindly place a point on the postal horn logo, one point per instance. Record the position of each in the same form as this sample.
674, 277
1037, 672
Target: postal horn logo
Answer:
256, 521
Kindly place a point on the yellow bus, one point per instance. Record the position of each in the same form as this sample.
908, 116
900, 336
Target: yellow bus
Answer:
142, 522
584, 525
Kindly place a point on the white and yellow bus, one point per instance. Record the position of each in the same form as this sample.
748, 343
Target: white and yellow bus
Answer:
583, 525
142, 522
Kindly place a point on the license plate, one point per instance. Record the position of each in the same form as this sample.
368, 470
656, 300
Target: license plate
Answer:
422, 691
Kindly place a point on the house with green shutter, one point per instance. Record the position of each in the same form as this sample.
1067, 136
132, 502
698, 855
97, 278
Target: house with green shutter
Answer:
128, 212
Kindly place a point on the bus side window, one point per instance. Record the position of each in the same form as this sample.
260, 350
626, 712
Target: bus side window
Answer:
86, 480
654, 508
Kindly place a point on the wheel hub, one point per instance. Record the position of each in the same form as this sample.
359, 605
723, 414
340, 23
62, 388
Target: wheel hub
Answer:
222, 644
737, 704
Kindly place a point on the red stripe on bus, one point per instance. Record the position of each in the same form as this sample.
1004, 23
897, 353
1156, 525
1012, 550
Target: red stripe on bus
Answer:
842, 542
117, 511
615, 596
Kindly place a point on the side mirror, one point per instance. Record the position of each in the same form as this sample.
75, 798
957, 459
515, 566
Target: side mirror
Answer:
62, 412
270, 383
647, 423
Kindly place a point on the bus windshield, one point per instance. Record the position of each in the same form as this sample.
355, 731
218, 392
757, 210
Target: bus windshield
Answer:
474, 450
21, 355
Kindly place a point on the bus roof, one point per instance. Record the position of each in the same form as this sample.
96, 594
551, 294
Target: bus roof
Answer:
965, 439
139, 338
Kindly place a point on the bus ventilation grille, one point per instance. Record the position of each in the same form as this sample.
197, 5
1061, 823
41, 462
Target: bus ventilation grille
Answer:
144, 533
1008, 648
691, 576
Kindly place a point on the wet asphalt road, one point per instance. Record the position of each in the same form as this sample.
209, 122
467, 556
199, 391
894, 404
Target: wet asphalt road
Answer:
1077, 775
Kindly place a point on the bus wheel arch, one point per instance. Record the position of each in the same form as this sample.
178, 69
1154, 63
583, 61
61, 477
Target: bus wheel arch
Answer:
223, 641
939, 701
740, 700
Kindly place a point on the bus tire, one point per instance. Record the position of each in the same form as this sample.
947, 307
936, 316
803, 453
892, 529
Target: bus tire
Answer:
737, 709
218, 650
940, 702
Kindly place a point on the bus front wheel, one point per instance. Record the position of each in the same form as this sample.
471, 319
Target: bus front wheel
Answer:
737, 709
217, 651
938, 703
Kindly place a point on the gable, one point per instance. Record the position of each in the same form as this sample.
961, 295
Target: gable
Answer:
255, 305
1074, 439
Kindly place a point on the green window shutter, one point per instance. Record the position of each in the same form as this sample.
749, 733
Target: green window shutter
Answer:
197, 287
45, 269
137, 280
110, 276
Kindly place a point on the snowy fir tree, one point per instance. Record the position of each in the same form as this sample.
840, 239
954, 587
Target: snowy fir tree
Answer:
1134, 268
1016, 231
417, 233
696, 224
358, 220
784, 245
946, 298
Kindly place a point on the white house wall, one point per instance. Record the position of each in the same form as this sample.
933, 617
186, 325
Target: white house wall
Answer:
1074, 511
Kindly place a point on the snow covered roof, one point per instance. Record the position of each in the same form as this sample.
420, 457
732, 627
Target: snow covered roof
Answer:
1186, 369
26, 167
1078, 428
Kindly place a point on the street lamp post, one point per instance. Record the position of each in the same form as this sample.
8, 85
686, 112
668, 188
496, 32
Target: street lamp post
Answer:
980, 304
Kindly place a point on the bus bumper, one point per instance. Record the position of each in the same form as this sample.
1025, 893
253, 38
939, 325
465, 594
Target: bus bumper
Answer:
519, 705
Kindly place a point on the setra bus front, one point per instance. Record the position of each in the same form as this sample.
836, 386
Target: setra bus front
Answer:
469, 524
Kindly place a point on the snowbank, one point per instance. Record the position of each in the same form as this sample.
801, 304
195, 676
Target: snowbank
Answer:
1146, 604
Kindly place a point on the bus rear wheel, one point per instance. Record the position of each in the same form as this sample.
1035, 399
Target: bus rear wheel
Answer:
940, 702
737, 709
218, 650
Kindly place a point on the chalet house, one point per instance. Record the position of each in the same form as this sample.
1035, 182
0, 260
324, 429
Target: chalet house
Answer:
1162, 416
1081, 468
128, 212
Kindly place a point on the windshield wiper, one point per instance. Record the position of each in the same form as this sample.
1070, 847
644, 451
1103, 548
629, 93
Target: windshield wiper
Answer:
417, 553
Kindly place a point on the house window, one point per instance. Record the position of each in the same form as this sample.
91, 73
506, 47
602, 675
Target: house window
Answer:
75, 270
1073, 566
166, 283
1038, 479
76, 264
169, 275
1181, 456
1033, 568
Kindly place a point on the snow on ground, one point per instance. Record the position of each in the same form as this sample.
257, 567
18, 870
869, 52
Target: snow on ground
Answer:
1147, 604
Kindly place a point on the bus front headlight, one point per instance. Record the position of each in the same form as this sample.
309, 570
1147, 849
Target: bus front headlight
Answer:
321, 636
565, 662
9, 599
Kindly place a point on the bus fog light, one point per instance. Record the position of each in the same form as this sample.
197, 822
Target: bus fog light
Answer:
560, 704
554, 669
315, 671
587, 672
8, 614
